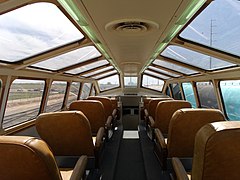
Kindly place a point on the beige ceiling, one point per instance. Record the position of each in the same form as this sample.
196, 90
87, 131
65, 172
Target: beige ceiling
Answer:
129, 48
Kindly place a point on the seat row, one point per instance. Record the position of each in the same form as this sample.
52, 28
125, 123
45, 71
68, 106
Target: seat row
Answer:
175, 125
79, 132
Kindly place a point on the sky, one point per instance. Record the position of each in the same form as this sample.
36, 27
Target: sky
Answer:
42, 26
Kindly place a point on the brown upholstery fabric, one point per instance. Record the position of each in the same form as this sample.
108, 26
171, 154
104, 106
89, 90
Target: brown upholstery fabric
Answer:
164, 112
68, 133
183, 127
26, 158
93, 110
216, 152
153, 105
107, 104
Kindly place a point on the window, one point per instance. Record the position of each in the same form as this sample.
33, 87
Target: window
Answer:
162, 71
152, 83
176, 91
85, 90
109, 83
130, 81
68, 59
175, 67
74, 90
88, 67
23, 102
98, 71
56, 96
100, 76
230, 91
33, 29
217, 26
206, 95
194, 58
156, 74
189, 94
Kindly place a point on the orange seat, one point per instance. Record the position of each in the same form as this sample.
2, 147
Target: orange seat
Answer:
216, 153
164, 112
26, 158
94, 111
183, 127
107, 104
69, 133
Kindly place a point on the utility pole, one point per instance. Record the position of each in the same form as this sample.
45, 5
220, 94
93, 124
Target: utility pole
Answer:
211, 40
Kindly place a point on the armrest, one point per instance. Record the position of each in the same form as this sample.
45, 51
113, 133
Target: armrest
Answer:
99, 137
146, 112
79, 169
151, 121
114, 113
108, 122
160, 139
180, 172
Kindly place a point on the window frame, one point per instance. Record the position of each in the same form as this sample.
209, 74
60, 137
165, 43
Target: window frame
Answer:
111, 88
41, 102
222, 99
141, 83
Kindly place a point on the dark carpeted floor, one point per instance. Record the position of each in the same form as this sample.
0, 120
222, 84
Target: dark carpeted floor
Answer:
130, 164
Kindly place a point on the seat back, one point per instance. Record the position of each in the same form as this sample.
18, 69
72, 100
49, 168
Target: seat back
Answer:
107, 104
93, 110
26, 158
152, 105
165, 110
68, 133
216, 152
183, 127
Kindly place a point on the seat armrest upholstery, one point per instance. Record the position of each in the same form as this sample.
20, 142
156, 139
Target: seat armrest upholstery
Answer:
114, 113
108, 123
146, 112
99, 137
79, 169
160, 139
151, 121
180, 172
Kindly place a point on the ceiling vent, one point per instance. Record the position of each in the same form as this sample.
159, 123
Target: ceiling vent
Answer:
131, 27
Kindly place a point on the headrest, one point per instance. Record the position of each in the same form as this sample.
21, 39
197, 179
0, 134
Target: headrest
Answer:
93, 110
183, 127
26, 158
165, 110
216, 152
68, 133
153, 105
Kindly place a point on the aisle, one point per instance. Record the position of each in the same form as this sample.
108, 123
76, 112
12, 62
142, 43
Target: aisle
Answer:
130, 163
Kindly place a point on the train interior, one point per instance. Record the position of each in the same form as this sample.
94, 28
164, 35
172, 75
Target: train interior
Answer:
144, 85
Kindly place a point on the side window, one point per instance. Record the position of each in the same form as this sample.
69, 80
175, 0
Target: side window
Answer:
74, 90
23, 102
109, 83
152, 83
176, 91
189, 94
56, 96
206, 94
85, 90
230, 91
